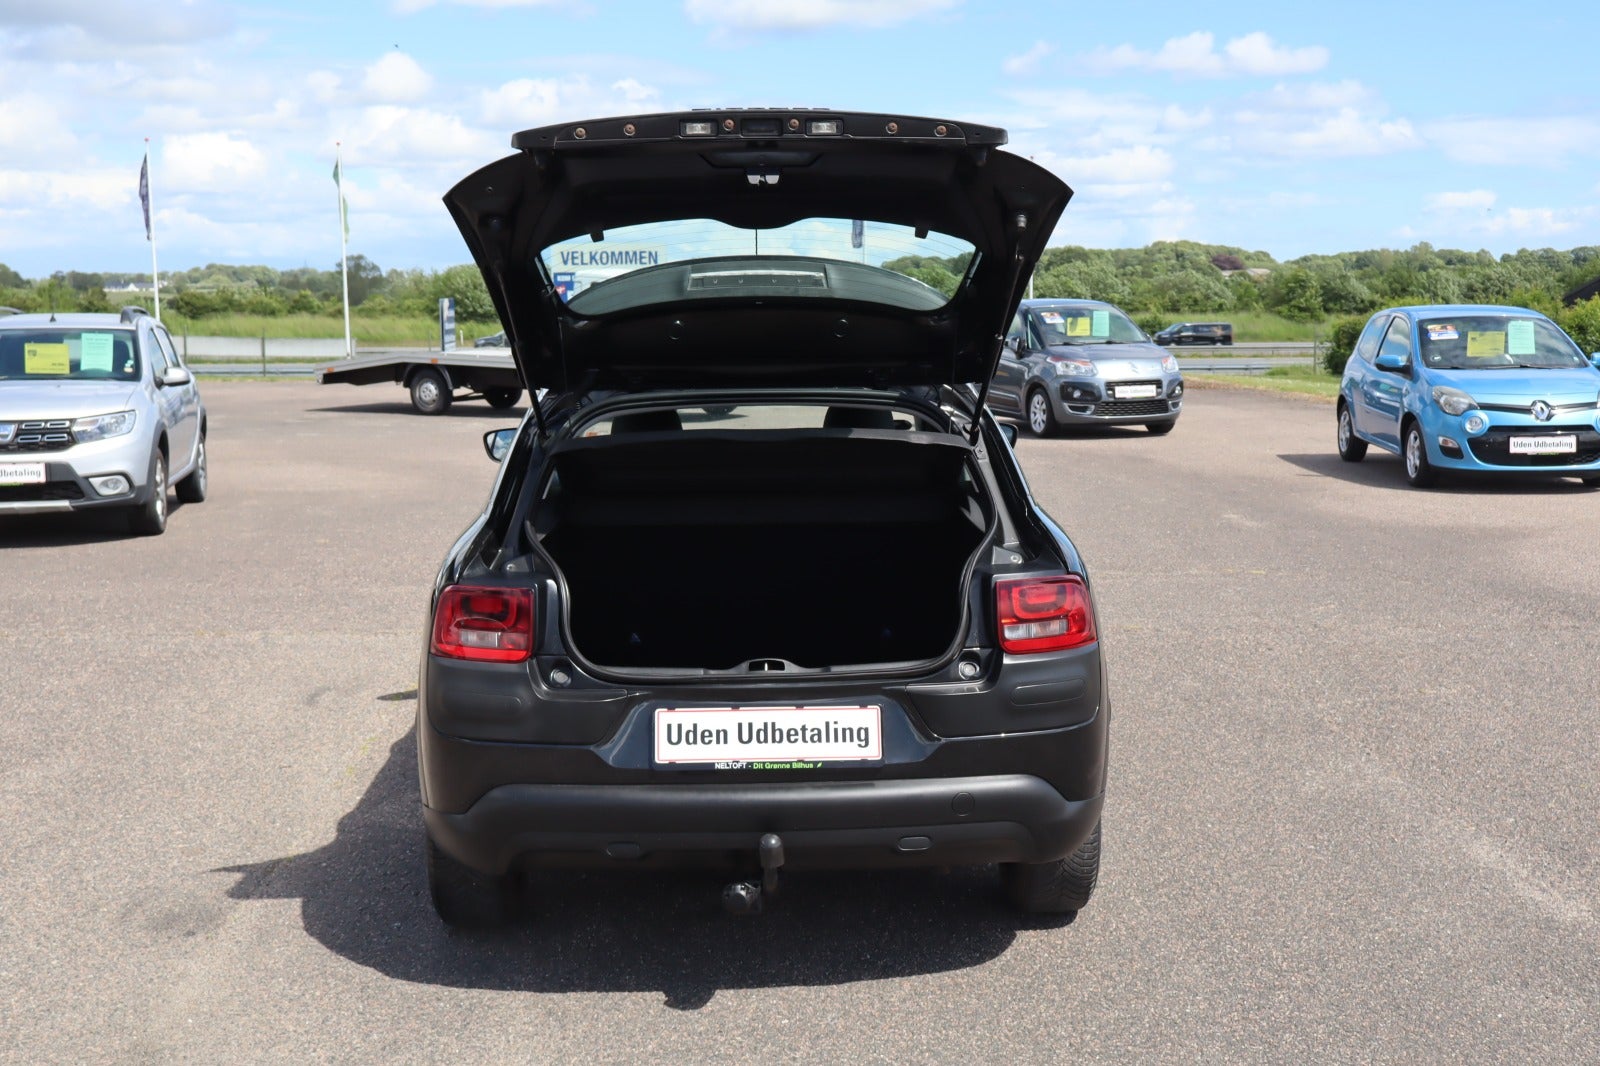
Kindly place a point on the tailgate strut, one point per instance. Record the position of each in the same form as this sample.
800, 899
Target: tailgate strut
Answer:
1019, 264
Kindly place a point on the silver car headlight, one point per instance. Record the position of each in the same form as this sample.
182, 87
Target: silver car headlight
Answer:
1169, 364
1078, 368
99, 427
1453, 401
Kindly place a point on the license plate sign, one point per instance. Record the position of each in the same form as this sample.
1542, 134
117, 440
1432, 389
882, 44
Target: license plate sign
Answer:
765, 735
1133, 392
21, 473
1551, 444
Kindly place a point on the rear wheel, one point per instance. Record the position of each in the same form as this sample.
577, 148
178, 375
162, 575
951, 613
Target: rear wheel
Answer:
1592, 480
1060, 887
1041, 419
1161, 429
1419, 471
192, 489
149, 519
430, 395
500, 399
463, 897
1352, 449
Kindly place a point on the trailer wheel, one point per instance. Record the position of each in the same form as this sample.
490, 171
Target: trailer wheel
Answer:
500, 399
430, 394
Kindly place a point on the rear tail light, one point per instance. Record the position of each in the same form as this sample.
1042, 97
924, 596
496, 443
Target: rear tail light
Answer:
1043, 614
484, 624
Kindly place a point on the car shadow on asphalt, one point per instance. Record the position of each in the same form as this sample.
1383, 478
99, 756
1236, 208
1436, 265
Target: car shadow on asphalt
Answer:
364, 896
58, 529
1382, 470
460, 409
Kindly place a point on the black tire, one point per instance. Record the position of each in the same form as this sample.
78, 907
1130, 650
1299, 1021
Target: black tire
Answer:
1040, 416
430, 393
463, 897
1419, 472
192, 489
149, 519
1591, 480
719, 411
1161, 429
500, 399
1352, 449
1060, 887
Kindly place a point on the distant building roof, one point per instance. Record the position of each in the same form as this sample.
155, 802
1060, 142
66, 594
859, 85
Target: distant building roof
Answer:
1582, 293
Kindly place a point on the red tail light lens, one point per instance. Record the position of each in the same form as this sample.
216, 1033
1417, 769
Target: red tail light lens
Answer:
487, 625
1043, 614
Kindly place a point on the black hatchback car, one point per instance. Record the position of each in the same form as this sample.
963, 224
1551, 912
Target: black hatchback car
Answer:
760, 584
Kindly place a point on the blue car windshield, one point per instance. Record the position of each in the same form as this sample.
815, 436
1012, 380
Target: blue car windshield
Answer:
68, 354
1495, 342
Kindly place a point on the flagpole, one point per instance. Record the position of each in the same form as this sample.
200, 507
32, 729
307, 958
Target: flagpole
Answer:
150, 225
344, 257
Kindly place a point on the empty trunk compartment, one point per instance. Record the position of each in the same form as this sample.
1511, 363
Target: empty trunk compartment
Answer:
708, 550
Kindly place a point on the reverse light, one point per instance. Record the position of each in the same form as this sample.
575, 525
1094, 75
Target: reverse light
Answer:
1043, 614
484, 624
1453, 401
1066, 364
99, 427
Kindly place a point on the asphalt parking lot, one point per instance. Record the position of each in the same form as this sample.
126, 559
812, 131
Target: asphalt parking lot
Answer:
1353, 801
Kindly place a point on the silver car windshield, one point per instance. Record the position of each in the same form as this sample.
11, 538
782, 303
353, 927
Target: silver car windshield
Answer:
1076, 324
68, 355
1495, 342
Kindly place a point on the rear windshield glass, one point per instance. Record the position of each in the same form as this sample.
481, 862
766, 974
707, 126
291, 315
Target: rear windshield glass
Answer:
1495, 342
68, 354
752, 416
817, 258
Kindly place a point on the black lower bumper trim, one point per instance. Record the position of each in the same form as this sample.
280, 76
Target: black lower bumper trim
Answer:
829, 825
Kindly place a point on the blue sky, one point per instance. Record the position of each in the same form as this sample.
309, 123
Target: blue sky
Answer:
1274, 127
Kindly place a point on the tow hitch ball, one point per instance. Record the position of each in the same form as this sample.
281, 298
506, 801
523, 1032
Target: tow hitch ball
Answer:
746, 897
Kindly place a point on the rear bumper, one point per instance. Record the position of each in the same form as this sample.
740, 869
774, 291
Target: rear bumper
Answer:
836, 825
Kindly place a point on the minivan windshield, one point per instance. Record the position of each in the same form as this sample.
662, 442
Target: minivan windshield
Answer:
814, 258
1495, 342
68, 355
1084, 324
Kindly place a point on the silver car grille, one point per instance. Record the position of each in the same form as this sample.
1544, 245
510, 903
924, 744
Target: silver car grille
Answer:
40, 435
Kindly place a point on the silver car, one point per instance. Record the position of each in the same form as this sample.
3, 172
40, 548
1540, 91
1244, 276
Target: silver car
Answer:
1083, 363
97, 411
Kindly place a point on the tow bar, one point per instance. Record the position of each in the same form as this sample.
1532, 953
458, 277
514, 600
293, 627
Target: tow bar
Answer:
747, 897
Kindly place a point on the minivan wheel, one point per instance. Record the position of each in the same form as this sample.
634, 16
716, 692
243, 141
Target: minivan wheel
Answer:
1162, 428
1352, 449
1419, 471
1041, 419
1060, 887
463, 897
192, 489
149, 519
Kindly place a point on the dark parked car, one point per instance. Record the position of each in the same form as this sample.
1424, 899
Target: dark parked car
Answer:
1196, 333
828, 627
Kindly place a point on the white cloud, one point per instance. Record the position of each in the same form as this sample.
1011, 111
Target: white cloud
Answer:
76, 189
410, 137
792, 15
31, 127
324, 85
1347, 132
407, 7
1139, 165
1319, 96
1456, 201
1522, 142
528, 102
397, 79
210, 162
1195, 55
127, 23
1028, 61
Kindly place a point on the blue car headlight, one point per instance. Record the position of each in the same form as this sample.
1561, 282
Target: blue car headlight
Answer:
1453, 401
99, 427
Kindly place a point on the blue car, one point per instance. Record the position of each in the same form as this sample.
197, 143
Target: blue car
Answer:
1472, 388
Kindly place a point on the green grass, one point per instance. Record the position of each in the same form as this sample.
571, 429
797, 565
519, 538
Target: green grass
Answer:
1301, 380
367, 331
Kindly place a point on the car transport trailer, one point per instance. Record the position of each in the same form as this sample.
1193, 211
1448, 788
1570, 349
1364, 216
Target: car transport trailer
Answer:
435, 378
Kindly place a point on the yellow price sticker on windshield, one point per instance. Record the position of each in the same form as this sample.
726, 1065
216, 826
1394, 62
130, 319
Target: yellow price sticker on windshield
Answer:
1489, 342
1077, 326
46, 359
